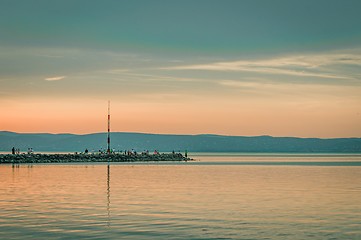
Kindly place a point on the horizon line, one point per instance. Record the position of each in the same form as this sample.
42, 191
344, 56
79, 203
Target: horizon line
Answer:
174, 134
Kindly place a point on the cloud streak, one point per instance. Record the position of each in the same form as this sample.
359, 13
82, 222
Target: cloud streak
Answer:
292, 89
320, 66
55, 78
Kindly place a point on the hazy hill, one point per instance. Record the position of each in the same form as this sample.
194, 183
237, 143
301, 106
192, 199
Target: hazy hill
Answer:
164, 142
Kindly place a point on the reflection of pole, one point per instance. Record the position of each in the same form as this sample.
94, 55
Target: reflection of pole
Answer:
108, 150
108, 195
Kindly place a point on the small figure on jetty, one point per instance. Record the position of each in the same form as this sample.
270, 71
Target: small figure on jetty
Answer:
186, 153
86, 151
13, 150
145, 152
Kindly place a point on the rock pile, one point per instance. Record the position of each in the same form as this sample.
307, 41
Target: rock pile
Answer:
66, 158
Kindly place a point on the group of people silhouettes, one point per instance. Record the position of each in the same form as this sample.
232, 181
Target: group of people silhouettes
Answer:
17, 150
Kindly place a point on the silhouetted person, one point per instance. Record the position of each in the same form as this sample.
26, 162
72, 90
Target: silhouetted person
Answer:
13, 150
86, 150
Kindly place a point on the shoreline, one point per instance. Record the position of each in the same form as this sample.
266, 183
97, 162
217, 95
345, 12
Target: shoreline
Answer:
71, 157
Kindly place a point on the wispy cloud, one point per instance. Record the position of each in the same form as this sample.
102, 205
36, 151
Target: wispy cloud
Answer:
270, 87
117, 71
55, 78
151, 77
321, 66
48, 56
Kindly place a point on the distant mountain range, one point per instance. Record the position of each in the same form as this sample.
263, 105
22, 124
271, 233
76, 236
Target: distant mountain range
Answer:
164, 142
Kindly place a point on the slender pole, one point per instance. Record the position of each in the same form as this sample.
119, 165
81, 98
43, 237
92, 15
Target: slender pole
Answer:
108, 180
108, 150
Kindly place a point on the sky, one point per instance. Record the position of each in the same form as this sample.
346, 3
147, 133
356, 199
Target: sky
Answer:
248, 68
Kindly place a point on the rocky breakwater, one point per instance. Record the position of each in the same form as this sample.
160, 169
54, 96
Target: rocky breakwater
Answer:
69, 158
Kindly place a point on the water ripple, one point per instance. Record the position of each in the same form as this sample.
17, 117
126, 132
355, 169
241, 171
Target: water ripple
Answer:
184, 201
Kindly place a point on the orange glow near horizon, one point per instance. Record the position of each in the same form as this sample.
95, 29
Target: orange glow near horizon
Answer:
208, 116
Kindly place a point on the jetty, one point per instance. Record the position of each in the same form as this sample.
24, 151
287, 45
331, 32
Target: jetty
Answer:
107, 157
88, 158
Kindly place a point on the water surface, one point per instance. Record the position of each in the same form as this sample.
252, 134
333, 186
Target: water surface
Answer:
215, 197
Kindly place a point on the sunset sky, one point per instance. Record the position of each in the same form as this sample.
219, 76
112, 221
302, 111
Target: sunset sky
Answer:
280, 67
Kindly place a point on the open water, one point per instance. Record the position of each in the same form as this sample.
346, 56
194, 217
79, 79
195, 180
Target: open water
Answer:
224, 196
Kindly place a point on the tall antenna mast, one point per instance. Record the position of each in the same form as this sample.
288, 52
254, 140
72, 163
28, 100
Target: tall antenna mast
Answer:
108, 150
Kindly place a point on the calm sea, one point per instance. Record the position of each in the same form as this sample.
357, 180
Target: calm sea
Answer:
224, 196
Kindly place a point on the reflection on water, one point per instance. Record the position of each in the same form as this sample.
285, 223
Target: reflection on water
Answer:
108, 193
182, 201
